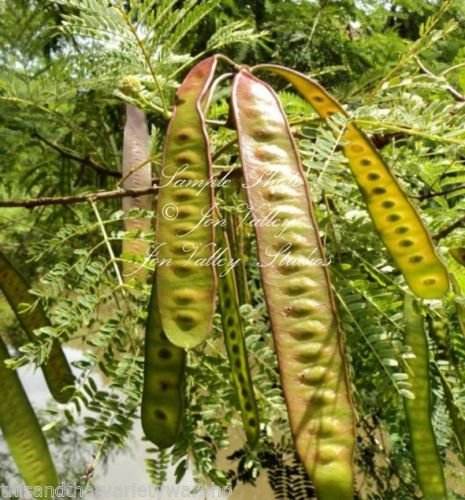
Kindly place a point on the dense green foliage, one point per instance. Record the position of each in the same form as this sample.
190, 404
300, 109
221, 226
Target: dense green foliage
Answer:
67, 69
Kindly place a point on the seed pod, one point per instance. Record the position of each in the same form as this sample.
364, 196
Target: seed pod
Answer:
234, 338
164, 372
57, 373
428, 465
394, 217
135, 153
22, 432
297, 290
185, 236
238, 236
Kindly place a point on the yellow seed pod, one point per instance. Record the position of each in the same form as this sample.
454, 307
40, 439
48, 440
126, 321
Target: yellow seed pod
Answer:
394, 217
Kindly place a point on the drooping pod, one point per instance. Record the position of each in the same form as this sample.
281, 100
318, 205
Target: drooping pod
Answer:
57, 372
428, 465
163, 396
185, 233
394, 217
297, 290
234, 337
22, 433
135, 153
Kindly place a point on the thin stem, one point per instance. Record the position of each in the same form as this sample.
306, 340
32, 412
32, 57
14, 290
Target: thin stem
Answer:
446, 231
141, 45
133, 169
410, 131
438, 193
454, 92
108, 244
84, 160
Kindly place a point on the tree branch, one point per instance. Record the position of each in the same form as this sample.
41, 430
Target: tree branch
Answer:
79, 198
446, 86
104, 195
447, 230
89, 162
438, 193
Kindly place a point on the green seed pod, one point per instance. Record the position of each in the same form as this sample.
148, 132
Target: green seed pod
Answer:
234, 338
394, 217
428, 465
185, 235
163, 396
297, 290
238, 237
58, 374
22, 432
135, 153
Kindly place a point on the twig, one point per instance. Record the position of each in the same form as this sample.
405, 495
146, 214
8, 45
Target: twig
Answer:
437, 193
446, 86
86, 160
80, 198
447, 230
108, 245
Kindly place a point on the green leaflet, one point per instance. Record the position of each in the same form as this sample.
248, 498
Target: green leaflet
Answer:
164, 371
234, 339
187, 289
457, 417
297, 290
135, 153
458, 254
56, 370
394, 217
22, 431
423, 442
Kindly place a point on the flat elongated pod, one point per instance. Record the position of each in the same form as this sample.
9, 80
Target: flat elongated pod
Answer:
234, 339
185, 236
135, 153
428, 465
394, 217
57, 371
163, 395
297, 290
22, 432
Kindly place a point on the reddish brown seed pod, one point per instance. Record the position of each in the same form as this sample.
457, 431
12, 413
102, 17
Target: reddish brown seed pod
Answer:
297, 290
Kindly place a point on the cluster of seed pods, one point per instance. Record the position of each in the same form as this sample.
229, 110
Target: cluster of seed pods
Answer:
234, 339
22, 433
137, 174
185, 232
394, 217
419, 410
57, 372
297, 289
163, 395
295, 279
